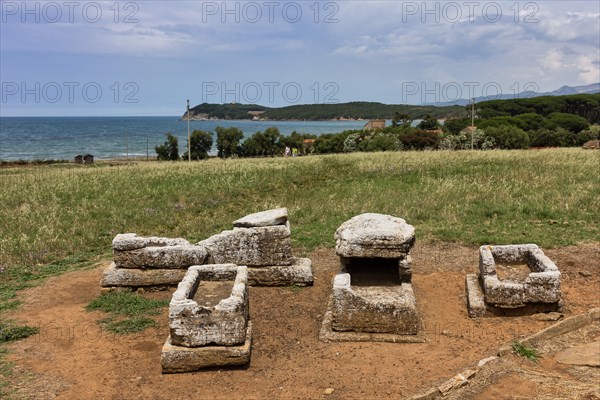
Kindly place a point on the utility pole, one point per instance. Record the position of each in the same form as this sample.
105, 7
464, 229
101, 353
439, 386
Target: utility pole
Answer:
472, 120
189, 142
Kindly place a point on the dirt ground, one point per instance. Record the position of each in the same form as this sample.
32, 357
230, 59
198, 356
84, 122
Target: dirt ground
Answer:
72, 358
513, 377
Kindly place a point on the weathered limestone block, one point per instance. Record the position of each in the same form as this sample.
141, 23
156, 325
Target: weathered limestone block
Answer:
299, 273
131, 241
405, 269
124, 277
373, 235
194, 325
539, 262
253, 247
475, 300
187, 359
385, 309
542, 287
487, 265
503, 294
278, 216
165, 257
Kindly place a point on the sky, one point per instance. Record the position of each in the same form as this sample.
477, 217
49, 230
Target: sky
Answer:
88, 58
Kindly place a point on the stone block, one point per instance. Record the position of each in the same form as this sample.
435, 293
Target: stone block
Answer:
475, 299
261, 246
278, 216
503, 294
221, 324
542, 287
176, 359
163, 257
123, 277
298, 273
377, 309
131, 241
373, 235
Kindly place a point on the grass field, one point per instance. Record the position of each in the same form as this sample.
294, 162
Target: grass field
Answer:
59, 217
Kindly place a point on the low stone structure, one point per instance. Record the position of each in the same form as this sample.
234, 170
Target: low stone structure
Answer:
488, 292
209, 320
372, 295
260, 241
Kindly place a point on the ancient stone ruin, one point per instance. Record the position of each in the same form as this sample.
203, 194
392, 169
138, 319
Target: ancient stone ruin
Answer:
260, 241
208, 320
531, 280
372, 297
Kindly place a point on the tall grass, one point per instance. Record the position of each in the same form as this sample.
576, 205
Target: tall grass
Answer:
48, 213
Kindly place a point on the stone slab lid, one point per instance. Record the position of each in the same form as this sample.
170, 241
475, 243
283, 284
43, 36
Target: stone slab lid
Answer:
374, 235
277, 216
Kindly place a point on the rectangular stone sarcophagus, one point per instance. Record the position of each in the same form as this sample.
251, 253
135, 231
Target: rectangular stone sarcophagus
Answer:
209, 320
538, 283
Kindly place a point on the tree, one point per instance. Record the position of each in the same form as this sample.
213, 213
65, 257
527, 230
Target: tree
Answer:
573, 123
168, 150
429, 123
508, 137
401, 119
265, 143
455, 125
532, 121
200, 144
228, 141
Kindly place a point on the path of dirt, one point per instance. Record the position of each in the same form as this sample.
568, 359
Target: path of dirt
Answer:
72, 358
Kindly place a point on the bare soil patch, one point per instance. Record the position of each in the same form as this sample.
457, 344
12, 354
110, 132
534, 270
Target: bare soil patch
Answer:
72, 358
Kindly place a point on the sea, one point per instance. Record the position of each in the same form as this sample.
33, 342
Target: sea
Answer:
63, 138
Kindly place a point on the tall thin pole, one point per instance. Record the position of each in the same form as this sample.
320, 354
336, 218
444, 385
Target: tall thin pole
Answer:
189, 143
472, 120
127, 144
147, 150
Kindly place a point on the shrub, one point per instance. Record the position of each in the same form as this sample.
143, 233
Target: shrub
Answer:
462, 141
380, 142
508, 137
200, 144
420, 140
168, 150
228, 141
592, 133
331, 143
351, 142
557, 137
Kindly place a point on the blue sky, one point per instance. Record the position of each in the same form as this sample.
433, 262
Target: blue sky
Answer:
148, 57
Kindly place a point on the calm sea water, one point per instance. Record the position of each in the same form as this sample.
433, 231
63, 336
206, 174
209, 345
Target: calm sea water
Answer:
62, 138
